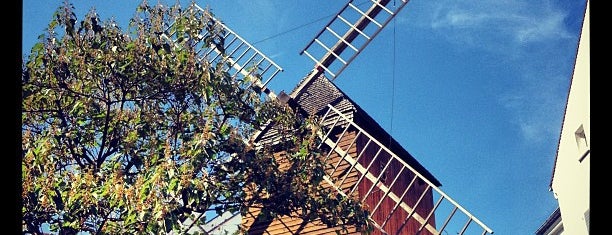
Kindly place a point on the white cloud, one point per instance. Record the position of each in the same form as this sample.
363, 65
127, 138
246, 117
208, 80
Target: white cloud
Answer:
530, 38
541, 29
510, 23
536, 106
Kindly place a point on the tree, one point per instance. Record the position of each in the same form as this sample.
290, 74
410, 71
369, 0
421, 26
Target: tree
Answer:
125, 132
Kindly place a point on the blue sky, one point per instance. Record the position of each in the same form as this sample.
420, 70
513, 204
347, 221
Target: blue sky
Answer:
475, 90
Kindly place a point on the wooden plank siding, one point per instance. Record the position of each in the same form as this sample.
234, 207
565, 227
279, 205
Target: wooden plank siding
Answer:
399, 182
345, 175
294, 224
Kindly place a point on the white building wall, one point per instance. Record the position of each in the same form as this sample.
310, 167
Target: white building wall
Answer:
571, 177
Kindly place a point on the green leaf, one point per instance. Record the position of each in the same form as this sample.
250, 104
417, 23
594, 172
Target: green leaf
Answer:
37, 48
100, 115
131, 218
224, 130
130, 46
76, 108
168, 106
144, 191
132, 135
173, 184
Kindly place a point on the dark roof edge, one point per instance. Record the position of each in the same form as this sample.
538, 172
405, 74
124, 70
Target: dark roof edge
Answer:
384, 137
569, 90
550, 221
374, 129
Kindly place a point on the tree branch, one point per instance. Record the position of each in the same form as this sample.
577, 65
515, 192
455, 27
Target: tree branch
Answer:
100, 159
103, 223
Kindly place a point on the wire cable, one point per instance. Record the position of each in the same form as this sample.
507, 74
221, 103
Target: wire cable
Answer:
293, 29
301, 26
392, 80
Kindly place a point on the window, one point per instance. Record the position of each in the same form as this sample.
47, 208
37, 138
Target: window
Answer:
587, 219
581, 141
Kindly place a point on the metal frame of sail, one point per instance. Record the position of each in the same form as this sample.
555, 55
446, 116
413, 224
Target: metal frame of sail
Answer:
242, 57
257, 67
334, 119
354, 30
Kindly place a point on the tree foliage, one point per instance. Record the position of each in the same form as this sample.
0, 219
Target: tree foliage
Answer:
125, 132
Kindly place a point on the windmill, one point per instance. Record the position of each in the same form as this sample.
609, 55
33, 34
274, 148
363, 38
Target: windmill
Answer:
364, 161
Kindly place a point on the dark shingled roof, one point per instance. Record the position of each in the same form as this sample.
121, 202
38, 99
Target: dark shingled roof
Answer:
313, 96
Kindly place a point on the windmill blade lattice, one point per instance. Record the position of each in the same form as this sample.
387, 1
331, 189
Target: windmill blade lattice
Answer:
239, 58
348, 33
241, 61
401, 200
362, 167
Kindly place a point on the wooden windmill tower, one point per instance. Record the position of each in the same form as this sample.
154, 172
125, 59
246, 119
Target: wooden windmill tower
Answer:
364, 161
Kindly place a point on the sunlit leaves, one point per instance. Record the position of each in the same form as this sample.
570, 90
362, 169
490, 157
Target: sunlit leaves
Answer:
130, 133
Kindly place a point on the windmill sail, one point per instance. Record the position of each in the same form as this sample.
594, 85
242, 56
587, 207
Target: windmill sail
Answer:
242, 61
366, 163
383, 180
239, 58
348, 33
402, 198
